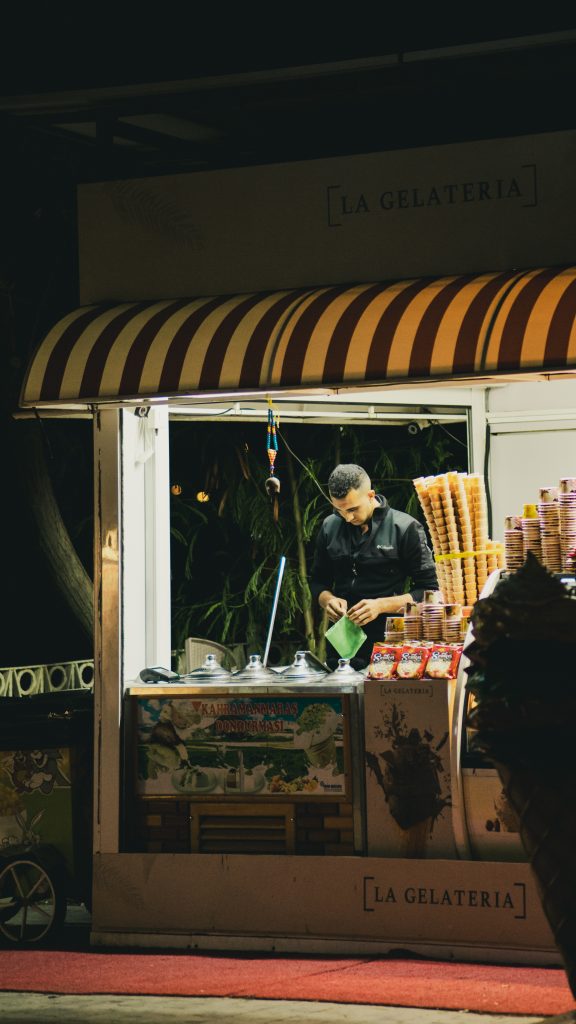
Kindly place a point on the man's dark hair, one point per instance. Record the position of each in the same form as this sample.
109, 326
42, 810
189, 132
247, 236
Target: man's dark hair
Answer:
347, 477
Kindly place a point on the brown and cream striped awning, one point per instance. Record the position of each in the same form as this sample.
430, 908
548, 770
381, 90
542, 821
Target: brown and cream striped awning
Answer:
419, 330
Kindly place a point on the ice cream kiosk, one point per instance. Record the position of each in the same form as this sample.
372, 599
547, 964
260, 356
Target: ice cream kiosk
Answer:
245, 811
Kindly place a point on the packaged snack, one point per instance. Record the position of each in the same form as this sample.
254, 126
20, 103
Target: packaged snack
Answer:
384, 660
412, 662
443, 661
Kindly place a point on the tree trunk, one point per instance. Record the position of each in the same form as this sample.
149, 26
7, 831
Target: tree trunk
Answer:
301, 550
69, 574
321, 645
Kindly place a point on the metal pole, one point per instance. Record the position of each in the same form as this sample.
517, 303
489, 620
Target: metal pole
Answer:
274, 607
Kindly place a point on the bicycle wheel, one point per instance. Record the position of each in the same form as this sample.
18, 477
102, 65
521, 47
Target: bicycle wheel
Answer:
32, 900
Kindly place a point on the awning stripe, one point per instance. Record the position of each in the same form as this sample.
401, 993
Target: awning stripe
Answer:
466, 351
425, 329
96, 360
216, 352
379, 352
60, 354
341, 340
300, 335
421, 355
180, 344
259, 339
561, 327
512, 334
136, 357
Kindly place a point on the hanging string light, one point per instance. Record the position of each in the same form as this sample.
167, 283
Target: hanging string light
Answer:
272, 484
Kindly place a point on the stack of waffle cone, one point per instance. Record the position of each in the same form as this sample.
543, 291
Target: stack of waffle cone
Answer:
477, 504
432, 517
456, 513
452, 538
466, 535
495, 556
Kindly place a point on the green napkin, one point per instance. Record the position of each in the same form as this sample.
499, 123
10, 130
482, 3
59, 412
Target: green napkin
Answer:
345, 637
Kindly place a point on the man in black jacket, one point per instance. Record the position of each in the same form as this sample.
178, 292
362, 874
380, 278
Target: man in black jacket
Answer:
366, 555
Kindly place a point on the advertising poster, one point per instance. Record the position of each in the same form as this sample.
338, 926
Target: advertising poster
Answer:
36, 799
245, 746
408, 783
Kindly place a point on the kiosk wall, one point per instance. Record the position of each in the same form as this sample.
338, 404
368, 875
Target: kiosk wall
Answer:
366, 895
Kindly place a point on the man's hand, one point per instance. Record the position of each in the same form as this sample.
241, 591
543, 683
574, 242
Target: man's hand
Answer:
335, 607
369, 609
365, 611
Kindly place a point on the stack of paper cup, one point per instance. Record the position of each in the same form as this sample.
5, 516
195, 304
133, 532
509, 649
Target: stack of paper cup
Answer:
412, 621
432, 616
549, 517
466, 613
531, 540
513, 543
567, 517
432, 621
452, 623
395, 628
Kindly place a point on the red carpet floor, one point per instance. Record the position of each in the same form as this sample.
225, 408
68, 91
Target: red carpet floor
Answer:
419, 983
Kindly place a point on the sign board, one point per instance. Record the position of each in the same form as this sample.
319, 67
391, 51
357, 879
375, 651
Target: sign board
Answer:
442, 908
36, 800
470, 207
408, 784
269, 746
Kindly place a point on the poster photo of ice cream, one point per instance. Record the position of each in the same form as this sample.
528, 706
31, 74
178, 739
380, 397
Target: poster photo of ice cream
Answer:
407, 763
242, 746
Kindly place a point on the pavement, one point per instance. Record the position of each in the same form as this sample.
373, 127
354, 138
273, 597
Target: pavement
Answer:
32, 1007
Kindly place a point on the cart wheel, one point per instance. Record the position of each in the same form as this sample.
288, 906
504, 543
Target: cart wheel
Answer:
32, 901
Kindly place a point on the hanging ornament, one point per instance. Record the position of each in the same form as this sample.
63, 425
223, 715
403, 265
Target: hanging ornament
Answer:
272, 484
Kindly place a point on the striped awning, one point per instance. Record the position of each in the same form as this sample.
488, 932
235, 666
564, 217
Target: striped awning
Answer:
407, 331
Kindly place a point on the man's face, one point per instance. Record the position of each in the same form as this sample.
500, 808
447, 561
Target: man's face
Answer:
357, 507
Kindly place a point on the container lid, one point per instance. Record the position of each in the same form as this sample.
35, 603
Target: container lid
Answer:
303, 668
211, 671
344, 673
255, 672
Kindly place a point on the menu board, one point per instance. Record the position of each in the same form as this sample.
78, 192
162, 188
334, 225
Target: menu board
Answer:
272, 746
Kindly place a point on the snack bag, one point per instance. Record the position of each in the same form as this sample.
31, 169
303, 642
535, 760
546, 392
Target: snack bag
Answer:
412, 662
383, 660
443, 661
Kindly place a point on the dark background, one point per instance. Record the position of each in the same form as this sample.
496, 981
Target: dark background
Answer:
96, 100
